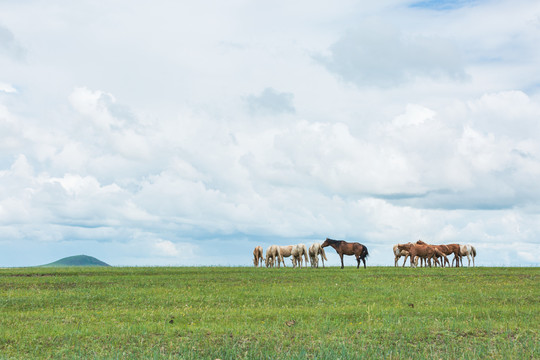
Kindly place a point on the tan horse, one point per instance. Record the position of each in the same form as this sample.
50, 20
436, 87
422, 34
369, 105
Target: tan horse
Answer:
285, 251
399, 253
297, 251
467, 250
272, 256
258, 258
314, 251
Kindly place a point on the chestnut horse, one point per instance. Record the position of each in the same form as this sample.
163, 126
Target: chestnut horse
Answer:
446, 250
426, 252
399, 253
346, 248
258, 256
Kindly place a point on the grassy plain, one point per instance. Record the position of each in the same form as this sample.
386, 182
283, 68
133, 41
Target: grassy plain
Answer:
259, 313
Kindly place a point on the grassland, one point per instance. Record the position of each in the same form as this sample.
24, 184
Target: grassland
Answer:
234, 313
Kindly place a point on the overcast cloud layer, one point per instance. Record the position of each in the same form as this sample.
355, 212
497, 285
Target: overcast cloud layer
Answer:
187, 133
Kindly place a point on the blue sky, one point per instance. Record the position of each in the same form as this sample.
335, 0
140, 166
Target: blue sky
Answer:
444, 4
181, 133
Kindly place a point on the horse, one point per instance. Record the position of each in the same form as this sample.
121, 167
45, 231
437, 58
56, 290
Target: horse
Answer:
425, 251
467, 250
314, 251
347, 248
258, 258
297, 252
284, 251
399, 253
446, 250
272, 255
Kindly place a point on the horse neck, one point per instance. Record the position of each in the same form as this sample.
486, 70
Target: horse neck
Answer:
335, 244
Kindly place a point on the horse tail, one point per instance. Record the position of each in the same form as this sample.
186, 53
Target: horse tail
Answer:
439, 253
365, 252
473, 251
323, 254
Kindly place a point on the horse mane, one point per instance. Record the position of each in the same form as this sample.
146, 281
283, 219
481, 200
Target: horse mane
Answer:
332, 241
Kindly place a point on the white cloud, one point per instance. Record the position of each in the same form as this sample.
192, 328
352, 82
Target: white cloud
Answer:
165, 248
7, 88
217, 130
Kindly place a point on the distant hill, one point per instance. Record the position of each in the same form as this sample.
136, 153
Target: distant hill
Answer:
78, 260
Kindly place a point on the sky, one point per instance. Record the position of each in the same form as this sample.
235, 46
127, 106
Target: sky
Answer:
185, 133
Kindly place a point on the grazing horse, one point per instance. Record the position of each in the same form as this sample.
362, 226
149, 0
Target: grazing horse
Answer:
399, 253
467, 250
445, 249
285, 251
346, 248
258, 258
427, 252
314, 251
297, 252
272, 256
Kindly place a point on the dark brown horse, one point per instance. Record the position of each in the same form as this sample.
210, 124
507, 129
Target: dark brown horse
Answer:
346, 248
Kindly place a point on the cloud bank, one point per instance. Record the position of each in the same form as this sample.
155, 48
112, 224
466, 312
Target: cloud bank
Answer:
188, 136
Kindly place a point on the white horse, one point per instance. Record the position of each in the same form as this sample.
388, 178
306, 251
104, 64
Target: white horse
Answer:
297, 252
285, 251
467, 250
258, 258
314, 251
273, 255
399, 253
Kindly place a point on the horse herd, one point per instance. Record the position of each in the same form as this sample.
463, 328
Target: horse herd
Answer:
426, 252
275, 253
420, 250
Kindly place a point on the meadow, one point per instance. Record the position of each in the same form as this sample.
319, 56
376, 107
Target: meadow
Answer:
259, 313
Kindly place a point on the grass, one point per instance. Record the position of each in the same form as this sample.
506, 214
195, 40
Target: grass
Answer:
255, 313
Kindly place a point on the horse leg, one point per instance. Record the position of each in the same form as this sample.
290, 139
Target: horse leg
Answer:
341, 256
396, 258
364, 261
357, 262
404, 261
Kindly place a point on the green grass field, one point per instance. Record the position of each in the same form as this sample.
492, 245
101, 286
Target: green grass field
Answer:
259, 313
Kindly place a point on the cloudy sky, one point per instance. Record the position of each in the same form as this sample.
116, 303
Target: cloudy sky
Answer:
187, 133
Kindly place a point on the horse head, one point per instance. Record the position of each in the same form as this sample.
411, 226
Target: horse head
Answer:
326, 243
406, 247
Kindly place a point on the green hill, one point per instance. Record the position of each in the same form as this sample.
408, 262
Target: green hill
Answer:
78, 260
